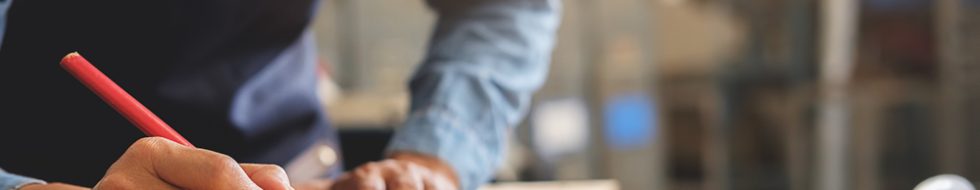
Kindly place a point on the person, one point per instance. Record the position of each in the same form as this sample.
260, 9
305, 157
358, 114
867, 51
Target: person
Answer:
238, 77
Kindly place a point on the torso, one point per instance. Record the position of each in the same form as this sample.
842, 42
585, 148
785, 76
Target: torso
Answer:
231, 75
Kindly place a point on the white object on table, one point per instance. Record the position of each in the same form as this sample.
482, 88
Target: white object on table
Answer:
945, 182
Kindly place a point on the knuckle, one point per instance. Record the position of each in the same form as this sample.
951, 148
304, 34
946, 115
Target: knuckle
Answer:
369, 167
388, 164
149, 142
414, 167
405, 183
395, 166
406, 165
217, 159
146, 146
361, 172
370, 184
144, 143
219, 163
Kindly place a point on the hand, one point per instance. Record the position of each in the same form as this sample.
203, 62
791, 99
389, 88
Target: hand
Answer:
403, 170
158, 163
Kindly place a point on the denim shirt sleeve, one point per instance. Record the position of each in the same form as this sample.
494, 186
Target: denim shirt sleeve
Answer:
485, 60
4, 5
10, 181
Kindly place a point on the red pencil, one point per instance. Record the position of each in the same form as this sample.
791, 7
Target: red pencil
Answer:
119, 99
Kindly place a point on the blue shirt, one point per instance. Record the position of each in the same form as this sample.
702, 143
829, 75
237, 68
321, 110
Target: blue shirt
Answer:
244, 71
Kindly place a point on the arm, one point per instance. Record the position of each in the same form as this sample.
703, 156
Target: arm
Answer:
485, 60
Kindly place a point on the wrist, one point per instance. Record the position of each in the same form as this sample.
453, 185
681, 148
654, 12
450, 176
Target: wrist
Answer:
434, 164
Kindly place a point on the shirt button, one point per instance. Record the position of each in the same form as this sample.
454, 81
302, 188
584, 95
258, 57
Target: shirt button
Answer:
326, 155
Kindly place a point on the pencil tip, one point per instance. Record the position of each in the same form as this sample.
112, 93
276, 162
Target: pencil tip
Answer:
70, 56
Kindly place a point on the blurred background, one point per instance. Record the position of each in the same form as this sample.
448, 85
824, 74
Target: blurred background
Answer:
702, 94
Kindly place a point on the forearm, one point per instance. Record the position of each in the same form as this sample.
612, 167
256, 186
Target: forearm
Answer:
485, 60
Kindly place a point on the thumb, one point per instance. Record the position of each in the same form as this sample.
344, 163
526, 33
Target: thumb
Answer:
267, 176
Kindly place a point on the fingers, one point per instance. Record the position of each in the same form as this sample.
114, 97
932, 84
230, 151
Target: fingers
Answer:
158, 163
369, 177
267, 176
129, 172
365, 177
438, 174
401, 176
191, 168
180, 166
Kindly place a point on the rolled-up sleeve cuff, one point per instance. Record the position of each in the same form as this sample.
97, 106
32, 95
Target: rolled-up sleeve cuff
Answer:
438, 133
9, 181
